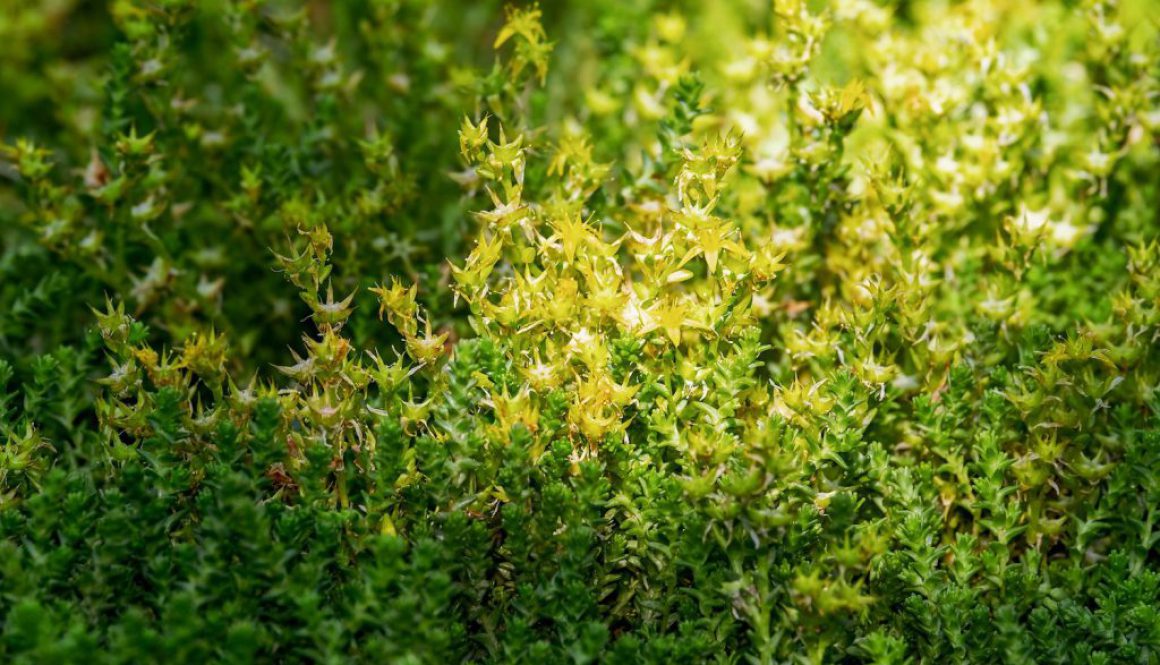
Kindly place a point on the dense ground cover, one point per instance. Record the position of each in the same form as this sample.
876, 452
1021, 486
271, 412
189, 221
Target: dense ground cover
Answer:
606, 331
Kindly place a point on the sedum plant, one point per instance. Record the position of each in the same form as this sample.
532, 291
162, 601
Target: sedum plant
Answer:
739, 332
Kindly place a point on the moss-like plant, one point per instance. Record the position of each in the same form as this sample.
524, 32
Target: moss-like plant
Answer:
634, 331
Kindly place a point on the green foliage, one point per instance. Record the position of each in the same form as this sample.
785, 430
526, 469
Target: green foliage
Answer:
674, 332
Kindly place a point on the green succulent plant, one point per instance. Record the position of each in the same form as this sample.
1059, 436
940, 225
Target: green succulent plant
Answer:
636, 331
